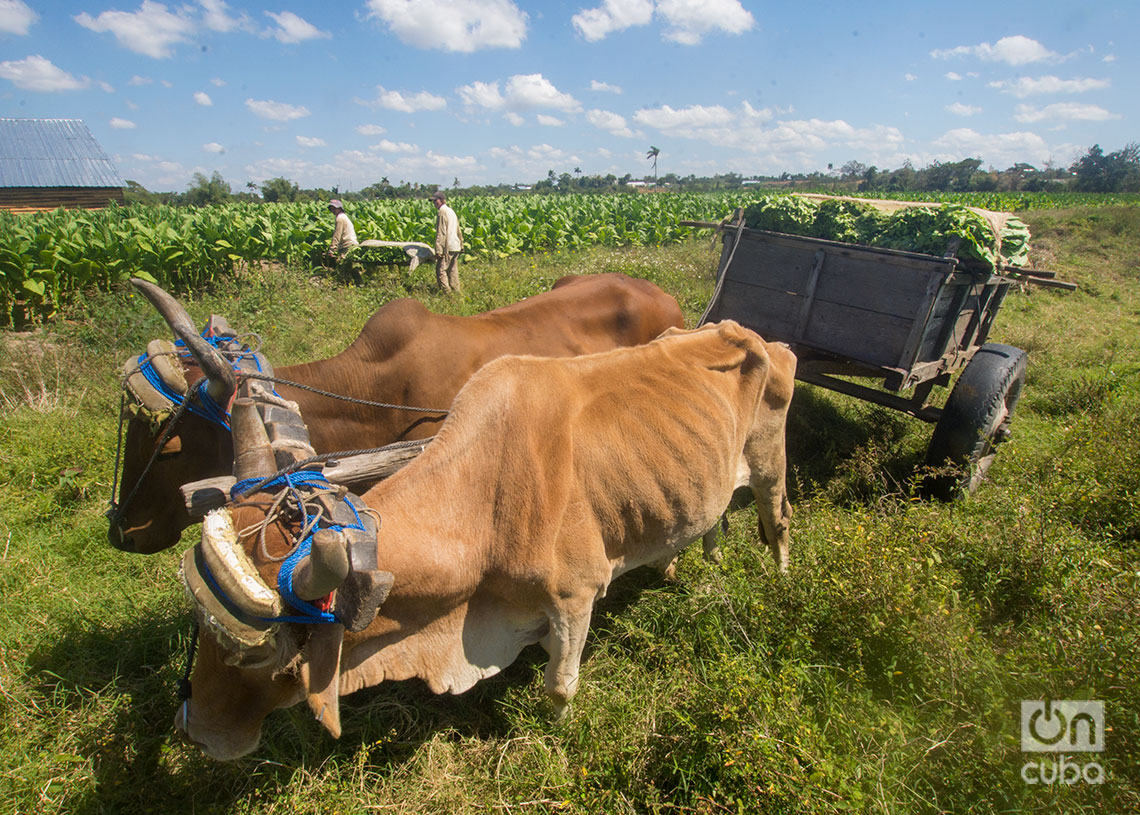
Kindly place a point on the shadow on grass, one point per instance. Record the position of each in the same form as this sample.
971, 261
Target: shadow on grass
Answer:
120, 683
127, 675
857, 454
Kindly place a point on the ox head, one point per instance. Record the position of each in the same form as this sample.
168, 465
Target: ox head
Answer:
158, 457
273, 599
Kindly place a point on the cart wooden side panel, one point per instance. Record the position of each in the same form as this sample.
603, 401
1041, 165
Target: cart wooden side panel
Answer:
906, 315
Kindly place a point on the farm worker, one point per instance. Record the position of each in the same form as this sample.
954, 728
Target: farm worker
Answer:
344, 236
448, 245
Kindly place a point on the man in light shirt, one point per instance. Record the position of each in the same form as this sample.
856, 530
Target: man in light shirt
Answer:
448, 245
344, 235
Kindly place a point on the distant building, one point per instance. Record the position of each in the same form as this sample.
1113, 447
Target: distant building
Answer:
52, 163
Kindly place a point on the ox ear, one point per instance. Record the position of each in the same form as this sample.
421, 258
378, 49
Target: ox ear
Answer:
320, 675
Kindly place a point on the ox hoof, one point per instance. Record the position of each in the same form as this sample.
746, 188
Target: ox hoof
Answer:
561, 709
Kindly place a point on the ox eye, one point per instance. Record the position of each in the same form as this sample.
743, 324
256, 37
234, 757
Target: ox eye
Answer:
172, 448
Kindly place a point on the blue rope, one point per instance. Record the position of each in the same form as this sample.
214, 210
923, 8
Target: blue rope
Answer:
205, 406
294, 482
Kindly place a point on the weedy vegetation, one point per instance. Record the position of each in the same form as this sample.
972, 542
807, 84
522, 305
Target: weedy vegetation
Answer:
883, 674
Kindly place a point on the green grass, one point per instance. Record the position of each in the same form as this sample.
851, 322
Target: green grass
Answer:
883, 674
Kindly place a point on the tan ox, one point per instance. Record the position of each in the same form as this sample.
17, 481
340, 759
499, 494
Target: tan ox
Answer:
550, 478
404, 355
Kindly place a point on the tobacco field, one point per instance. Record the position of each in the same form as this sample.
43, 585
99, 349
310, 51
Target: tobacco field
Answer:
49, 259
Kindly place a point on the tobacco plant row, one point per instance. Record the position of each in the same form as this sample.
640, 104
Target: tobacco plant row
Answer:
47, 258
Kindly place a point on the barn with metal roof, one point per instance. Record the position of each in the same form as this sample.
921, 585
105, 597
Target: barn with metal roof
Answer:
52, 163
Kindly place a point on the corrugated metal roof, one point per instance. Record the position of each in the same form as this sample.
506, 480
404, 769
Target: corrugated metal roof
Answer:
53, 153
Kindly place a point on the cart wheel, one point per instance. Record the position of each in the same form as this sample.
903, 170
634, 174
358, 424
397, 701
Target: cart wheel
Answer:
975, 420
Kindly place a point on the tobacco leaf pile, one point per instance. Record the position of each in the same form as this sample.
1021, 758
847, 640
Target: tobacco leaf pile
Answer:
987, 241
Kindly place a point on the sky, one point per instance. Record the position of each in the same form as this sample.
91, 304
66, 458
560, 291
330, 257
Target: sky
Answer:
350, 92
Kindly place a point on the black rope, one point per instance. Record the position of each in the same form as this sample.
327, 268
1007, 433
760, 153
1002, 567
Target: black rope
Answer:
353, 400
184, 683
118, 451
115, 513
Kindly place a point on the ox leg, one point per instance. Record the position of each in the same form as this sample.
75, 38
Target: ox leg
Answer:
668, 568
569, 625
709, 540
775, 514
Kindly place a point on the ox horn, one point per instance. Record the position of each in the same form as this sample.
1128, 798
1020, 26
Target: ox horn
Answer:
221, 382
253, 455
324, 569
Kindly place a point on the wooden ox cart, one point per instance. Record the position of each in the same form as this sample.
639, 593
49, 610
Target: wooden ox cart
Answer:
909, 320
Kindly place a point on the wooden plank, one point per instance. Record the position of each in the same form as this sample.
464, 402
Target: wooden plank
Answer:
868, 280
869, 337
364, 469
809, 294
41, 199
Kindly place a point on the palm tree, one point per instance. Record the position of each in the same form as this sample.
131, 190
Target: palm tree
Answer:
653, 153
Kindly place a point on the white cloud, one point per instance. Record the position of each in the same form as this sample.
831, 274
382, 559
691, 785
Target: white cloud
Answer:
909, 77
16, 17
35, 73
122, 124
203, 99
276, 111
218, 82
998, 149
1063, 112
686, 21
213, 147
528, 91
612, 123
371, 130
216, 17
523, 92
696, 116
534, 161
604, 87
308, 141
757, 132
549, 121
140, 80
690, 20
397, 100
452, 25
514, 119
1016, 50
1109, 58
959, 109
1028, 86
482, 94
295, 169
386, 146
613, 15
358, 164
292, 29
953, 76
151, 31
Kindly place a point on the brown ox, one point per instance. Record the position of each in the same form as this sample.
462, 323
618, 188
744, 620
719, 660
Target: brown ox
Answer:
550, 478
405, 355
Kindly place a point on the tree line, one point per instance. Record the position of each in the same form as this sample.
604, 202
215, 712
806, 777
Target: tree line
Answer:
1093, 171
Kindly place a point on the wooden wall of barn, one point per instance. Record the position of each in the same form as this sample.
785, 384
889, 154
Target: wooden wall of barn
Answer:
37, 199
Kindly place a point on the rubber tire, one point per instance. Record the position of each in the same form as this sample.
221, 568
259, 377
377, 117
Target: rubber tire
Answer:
975, 420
